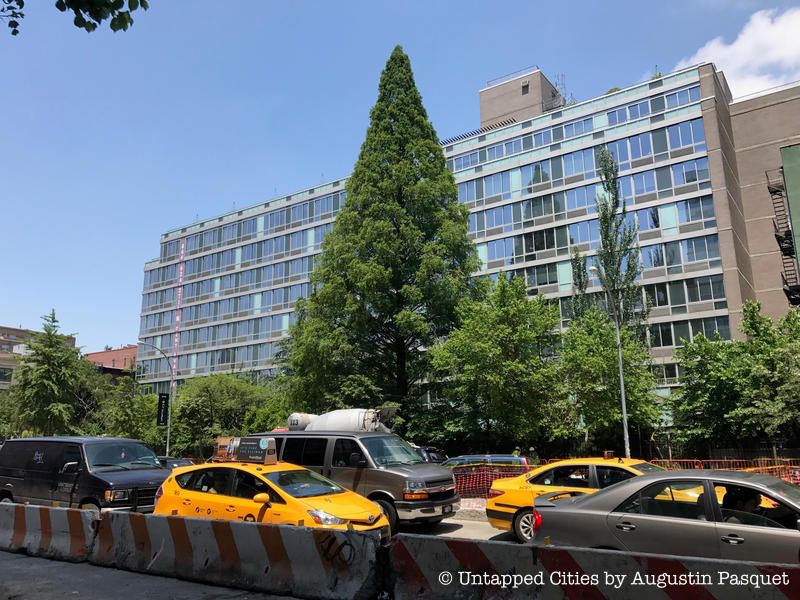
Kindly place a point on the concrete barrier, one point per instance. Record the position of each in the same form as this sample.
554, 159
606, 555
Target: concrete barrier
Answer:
325, 564
304, 562
425, 567
59, 533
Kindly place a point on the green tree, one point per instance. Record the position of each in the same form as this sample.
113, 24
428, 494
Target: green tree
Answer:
616, 265
744, 391
589, 371
207, 407
47, 381
88, 14
498, 368
393, 269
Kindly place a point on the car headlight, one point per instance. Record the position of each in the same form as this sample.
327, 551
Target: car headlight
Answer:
414, 484
320, 517
115, 495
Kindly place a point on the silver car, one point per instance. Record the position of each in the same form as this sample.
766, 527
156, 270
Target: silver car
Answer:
714, 514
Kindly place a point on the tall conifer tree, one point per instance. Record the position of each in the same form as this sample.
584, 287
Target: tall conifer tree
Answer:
394, 268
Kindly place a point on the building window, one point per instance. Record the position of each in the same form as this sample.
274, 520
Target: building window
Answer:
657, 294
465, 161
5, 374
695, 209
683, 96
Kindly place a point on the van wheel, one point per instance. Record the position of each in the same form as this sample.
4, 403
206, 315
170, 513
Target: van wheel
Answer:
390, 512
92, 507
523, 526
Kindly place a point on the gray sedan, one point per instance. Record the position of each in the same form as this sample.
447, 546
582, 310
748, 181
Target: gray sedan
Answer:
714, 514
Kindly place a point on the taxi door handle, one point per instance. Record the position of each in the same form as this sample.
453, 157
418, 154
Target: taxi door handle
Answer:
230, 508
187, 502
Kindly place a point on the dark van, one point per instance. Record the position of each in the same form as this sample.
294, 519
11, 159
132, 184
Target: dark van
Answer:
91, 473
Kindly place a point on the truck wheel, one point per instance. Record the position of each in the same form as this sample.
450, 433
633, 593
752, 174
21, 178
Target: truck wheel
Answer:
523, 526
391, 514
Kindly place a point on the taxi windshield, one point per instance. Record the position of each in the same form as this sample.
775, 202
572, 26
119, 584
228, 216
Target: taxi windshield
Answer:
391, 450
303, 484
120, 456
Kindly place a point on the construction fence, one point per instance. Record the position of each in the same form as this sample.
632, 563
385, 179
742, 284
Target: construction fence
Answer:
475, 481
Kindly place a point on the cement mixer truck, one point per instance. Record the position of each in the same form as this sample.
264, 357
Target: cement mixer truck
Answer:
356, 449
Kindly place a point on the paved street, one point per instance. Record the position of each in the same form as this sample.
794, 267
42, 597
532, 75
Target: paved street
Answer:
475, 530
26, 578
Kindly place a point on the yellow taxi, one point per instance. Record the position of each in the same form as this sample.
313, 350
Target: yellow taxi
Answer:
510, 503
277, 492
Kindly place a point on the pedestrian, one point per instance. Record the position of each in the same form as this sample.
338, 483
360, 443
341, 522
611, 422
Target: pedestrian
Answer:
516, 451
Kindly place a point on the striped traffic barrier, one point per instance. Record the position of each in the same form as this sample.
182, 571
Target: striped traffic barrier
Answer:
304, 562
60, 533
427, 568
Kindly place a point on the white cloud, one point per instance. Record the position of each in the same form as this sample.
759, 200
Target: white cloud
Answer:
765, 54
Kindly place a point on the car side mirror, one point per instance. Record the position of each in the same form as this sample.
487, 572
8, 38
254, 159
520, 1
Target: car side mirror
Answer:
262, 498
69, 468
357, 460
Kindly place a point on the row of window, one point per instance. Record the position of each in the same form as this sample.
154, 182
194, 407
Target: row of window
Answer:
665, 335
575, 128
584, 163
253, 303
213, 360
307, 240
671, 254
264, 276
270, 222
678, 293
275, 299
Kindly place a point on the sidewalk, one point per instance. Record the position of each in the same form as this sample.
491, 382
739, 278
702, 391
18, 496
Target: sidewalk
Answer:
472, 509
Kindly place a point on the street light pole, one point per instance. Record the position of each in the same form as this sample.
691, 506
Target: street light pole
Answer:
622, 385
171, 385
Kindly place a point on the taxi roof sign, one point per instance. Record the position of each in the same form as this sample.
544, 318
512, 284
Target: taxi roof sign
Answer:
260, 450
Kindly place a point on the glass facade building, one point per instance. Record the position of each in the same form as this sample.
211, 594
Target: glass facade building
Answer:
222, 292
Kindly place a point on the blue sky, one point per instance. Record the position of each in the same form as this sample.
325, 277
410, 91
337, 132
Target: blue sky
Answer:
109, 140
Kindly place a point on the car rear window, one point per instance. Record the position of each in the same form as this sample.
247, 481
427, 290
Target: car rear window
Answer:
646, 467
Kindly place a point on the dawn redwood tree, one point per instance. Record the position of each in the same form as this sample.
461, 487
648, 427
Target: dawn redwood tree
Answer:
394, 267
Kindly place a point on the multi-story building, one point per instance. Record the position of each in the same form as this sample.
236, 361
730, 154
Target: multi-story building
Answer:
120, 358
13, 342
692, 164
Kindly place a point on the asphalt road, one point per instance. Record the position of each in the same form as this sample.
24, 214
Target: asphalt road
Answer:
27, 578
474, 530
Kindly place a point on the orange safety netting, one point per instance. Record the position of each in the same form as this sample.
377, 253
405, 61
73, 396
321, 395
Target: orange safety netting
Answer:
474, 482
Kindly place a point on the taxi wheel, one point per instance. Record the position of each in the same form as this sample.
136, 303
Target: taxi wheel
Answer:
523, 526
390, 512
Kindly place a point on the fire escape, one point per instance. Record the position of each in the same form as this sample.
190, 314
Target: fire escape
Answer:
784, 236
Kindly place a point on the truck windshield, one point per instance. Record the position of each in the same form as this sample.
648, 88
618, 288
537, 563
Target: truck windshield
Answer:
120, 456
391, 450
